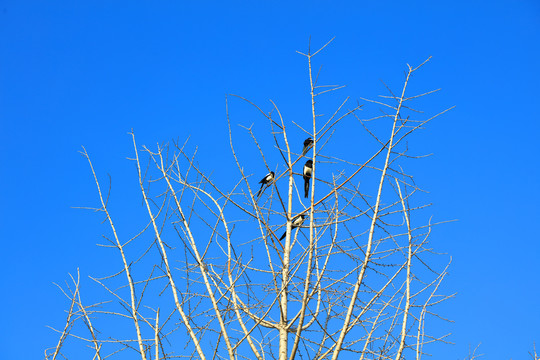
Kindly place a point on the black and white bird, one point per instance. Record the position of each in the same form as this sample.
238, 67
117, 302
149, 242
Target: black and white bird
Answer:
296, 222
308, 170
267, 180
307, 144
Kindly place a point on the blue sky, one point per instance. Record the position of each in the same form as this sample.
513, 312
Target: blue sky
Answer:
74, 73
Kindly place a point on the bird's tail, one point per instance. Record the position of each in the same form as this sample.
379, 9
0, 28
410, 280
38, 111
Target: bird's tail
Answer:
283, 236
260, 191
306, 187
306, 148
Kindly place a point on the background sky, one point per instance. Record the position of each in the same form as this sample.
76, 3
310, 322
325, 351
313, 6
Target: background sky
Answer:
85, 73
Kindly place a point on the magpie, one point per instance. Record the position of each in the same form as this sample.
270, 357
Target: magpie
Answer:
296, 222
308, 169
267, 180
307, 144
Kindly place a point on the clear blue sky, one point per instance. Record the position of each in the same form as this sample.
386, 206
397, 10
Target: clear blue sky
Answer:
85, 73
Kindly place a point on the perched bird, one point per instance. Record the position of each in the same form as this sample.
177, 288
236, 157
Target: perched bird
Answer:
308, 169
267, 180
307, 144
296, 222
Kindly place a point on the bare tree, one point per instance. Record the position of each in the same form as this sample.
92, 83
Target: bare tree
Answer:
472, 353
533, 353
314, 263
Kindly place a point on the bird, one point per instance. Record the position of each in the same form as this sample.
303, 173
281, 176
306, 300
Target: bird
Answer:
307, 144
296, 222
308, 169
267, 180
